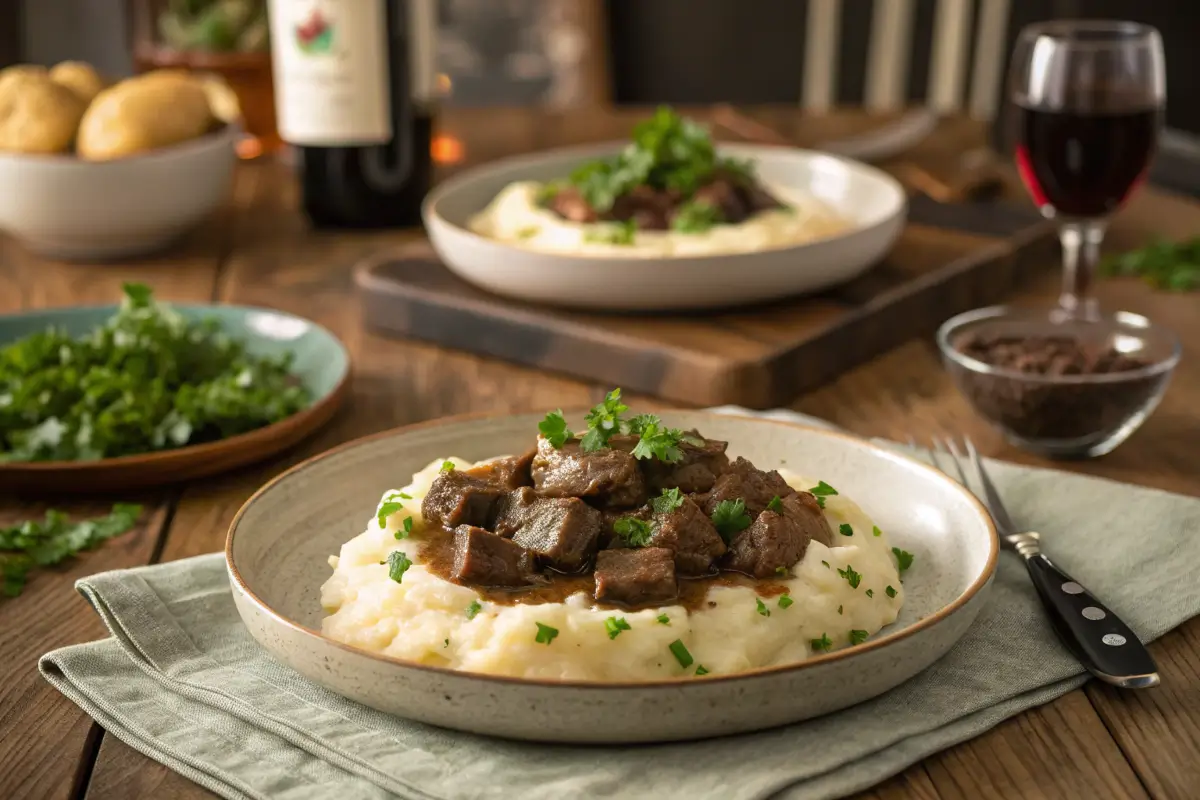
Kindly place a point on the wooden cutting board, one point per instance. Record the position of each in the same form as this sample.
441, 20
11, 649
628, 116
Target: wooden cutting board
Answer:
950, 258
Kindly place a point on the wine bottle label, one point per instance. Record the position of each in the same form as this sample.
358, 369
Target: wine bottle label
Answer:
331, 71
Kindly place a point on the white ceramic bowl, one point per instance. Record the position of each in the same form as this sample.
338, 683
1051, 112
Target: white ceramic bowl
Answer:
279, 544
872, 199
65, 207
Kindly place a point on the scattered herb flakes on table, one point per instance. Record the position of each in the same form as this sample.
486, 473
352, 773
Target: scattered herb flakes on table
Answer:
42, 544
1174, 266
147, 379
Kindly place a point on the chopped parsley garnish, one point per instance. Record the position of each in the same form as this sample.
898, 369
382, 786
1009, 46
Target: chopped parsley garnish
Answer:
845, 530
447, 466
545, 634
730, 518
663, 619
853, 578
621, 233
31, 544
858, 637
821, 491
870, 592
700, 670
781, 571
668, 501
696, 216
824, 643
554, 428
762, 607
875, 530
473, 609
614, 626
839, 609
826, 563
890, 591
147, 379
904, 559
681, 653
528, 232
445, 642
547, 192
785, 601
398, 564
636, 532
776, 504
406, 528
603, 421
657, 441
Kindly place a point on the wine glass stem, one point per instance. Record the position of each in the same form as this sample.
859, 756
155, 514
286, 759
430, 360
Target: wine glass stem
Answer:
1081, 253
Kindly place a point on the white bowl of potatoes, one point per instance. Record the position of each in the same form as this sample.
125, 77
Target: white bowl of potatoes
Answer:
95, 171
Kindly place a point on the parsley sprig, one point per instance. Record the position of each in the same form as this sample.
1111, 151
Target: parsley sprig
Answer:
730, 518
605, 420
1174, 266
668, 501
42, 544
636, 532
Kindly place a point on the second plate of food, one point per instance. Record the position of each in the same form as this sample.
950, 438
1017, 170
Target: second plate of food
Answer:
628, 579
668, 221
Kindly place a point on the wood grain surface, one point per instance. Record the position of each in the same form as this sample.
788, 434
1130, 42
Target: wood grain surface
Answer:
1093, 743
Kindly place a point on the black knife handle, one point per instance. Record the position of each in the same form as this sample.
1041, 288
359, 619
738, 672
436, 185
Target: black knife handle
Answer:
1104, 644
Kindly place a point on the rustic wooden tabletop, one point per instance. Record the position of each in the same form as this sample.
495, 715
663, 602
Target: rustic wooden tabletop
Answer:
1094, 742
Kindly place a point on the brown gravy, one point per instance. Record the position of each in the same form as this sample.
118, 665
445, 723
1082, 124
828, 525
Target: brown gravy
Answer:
437, 555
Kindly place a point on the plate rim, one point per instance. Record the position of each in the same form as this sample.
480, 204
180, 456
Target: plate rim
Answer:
320, 407
239, 585
432, 216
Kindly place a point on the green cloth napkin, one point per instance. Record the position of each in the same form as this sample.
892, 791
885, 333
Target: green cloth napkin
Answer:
181, 680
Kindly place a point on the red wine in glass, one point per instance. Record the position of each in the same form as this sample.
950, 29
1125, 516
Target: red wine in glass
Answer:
1084, 164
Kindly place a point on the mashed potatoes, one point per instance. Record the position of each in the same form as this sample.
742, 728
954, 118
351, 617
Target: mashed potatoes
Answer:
839, 595
516, 217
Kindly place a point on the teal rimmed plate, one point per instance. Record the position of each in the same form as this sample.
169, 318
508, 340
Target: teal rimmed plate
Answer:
321, 363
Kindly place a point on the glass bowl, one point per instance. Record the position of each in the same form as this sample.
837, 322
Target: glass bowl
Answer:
1070, 414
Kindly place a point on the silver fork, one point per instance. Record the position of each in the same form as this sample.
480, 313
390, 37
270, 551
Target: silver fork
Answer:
1104, 644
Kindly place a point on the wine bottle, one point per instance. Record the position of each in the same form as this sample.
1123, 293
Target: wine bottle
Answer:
354, 83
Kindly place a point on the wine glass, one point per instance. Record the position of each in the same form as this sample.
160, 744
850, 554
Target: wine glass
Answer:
1089, 96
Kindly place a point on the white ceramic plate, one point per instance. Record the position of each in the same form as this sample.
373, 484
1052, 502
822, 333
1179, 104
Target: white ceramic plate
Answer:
280, 541
872, 199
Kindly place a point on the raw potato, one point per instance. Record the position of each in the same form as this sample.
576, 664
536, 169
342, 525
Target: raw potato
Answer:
140, 114
36, 114
79, 77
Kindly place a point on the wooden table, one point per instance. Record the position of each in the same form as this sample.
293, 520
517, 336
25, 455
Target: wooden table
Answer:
1094, 742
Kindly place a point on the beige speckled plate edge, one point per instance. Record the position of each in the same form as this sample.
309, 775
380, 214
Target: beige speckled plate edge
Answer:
594, 712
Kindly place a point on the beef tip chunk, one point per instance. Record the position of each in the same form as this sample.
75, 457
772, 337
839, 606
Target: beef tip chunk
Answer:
609, 476
569, 204
562, 531
459, 498
697, 471
485, 559
689, 534
641, 577
509, 471
754, 486
647, 207
724, 194
760, 199
512, 510
778, 539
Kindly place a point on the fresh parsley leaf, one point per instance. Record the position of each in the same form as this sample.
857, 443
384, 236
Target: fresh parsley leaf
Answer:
406, 529
447, 466
845, 530
614, 626
826, 563
663, 619
554, 428
656, 441
681, 653
853, 578
875, 530
821, 491
776, 504
700, 670
762, 607
839, 609
397, 564
603, 421
445, 642
31, 544
545, 634
781, 570
858, 637
696, 216
620, 233
785, 601
870, 592
386, 510
1163, 264
904, 559
823, 644
890, 591
730, 518
636, 532
147, 379
473, 609
668, 501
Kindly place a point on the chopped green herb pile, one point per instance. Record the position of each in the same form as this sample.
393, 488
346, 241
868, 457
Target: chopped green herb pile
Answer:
41, 544
605, 420
1174, 266
146, 379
